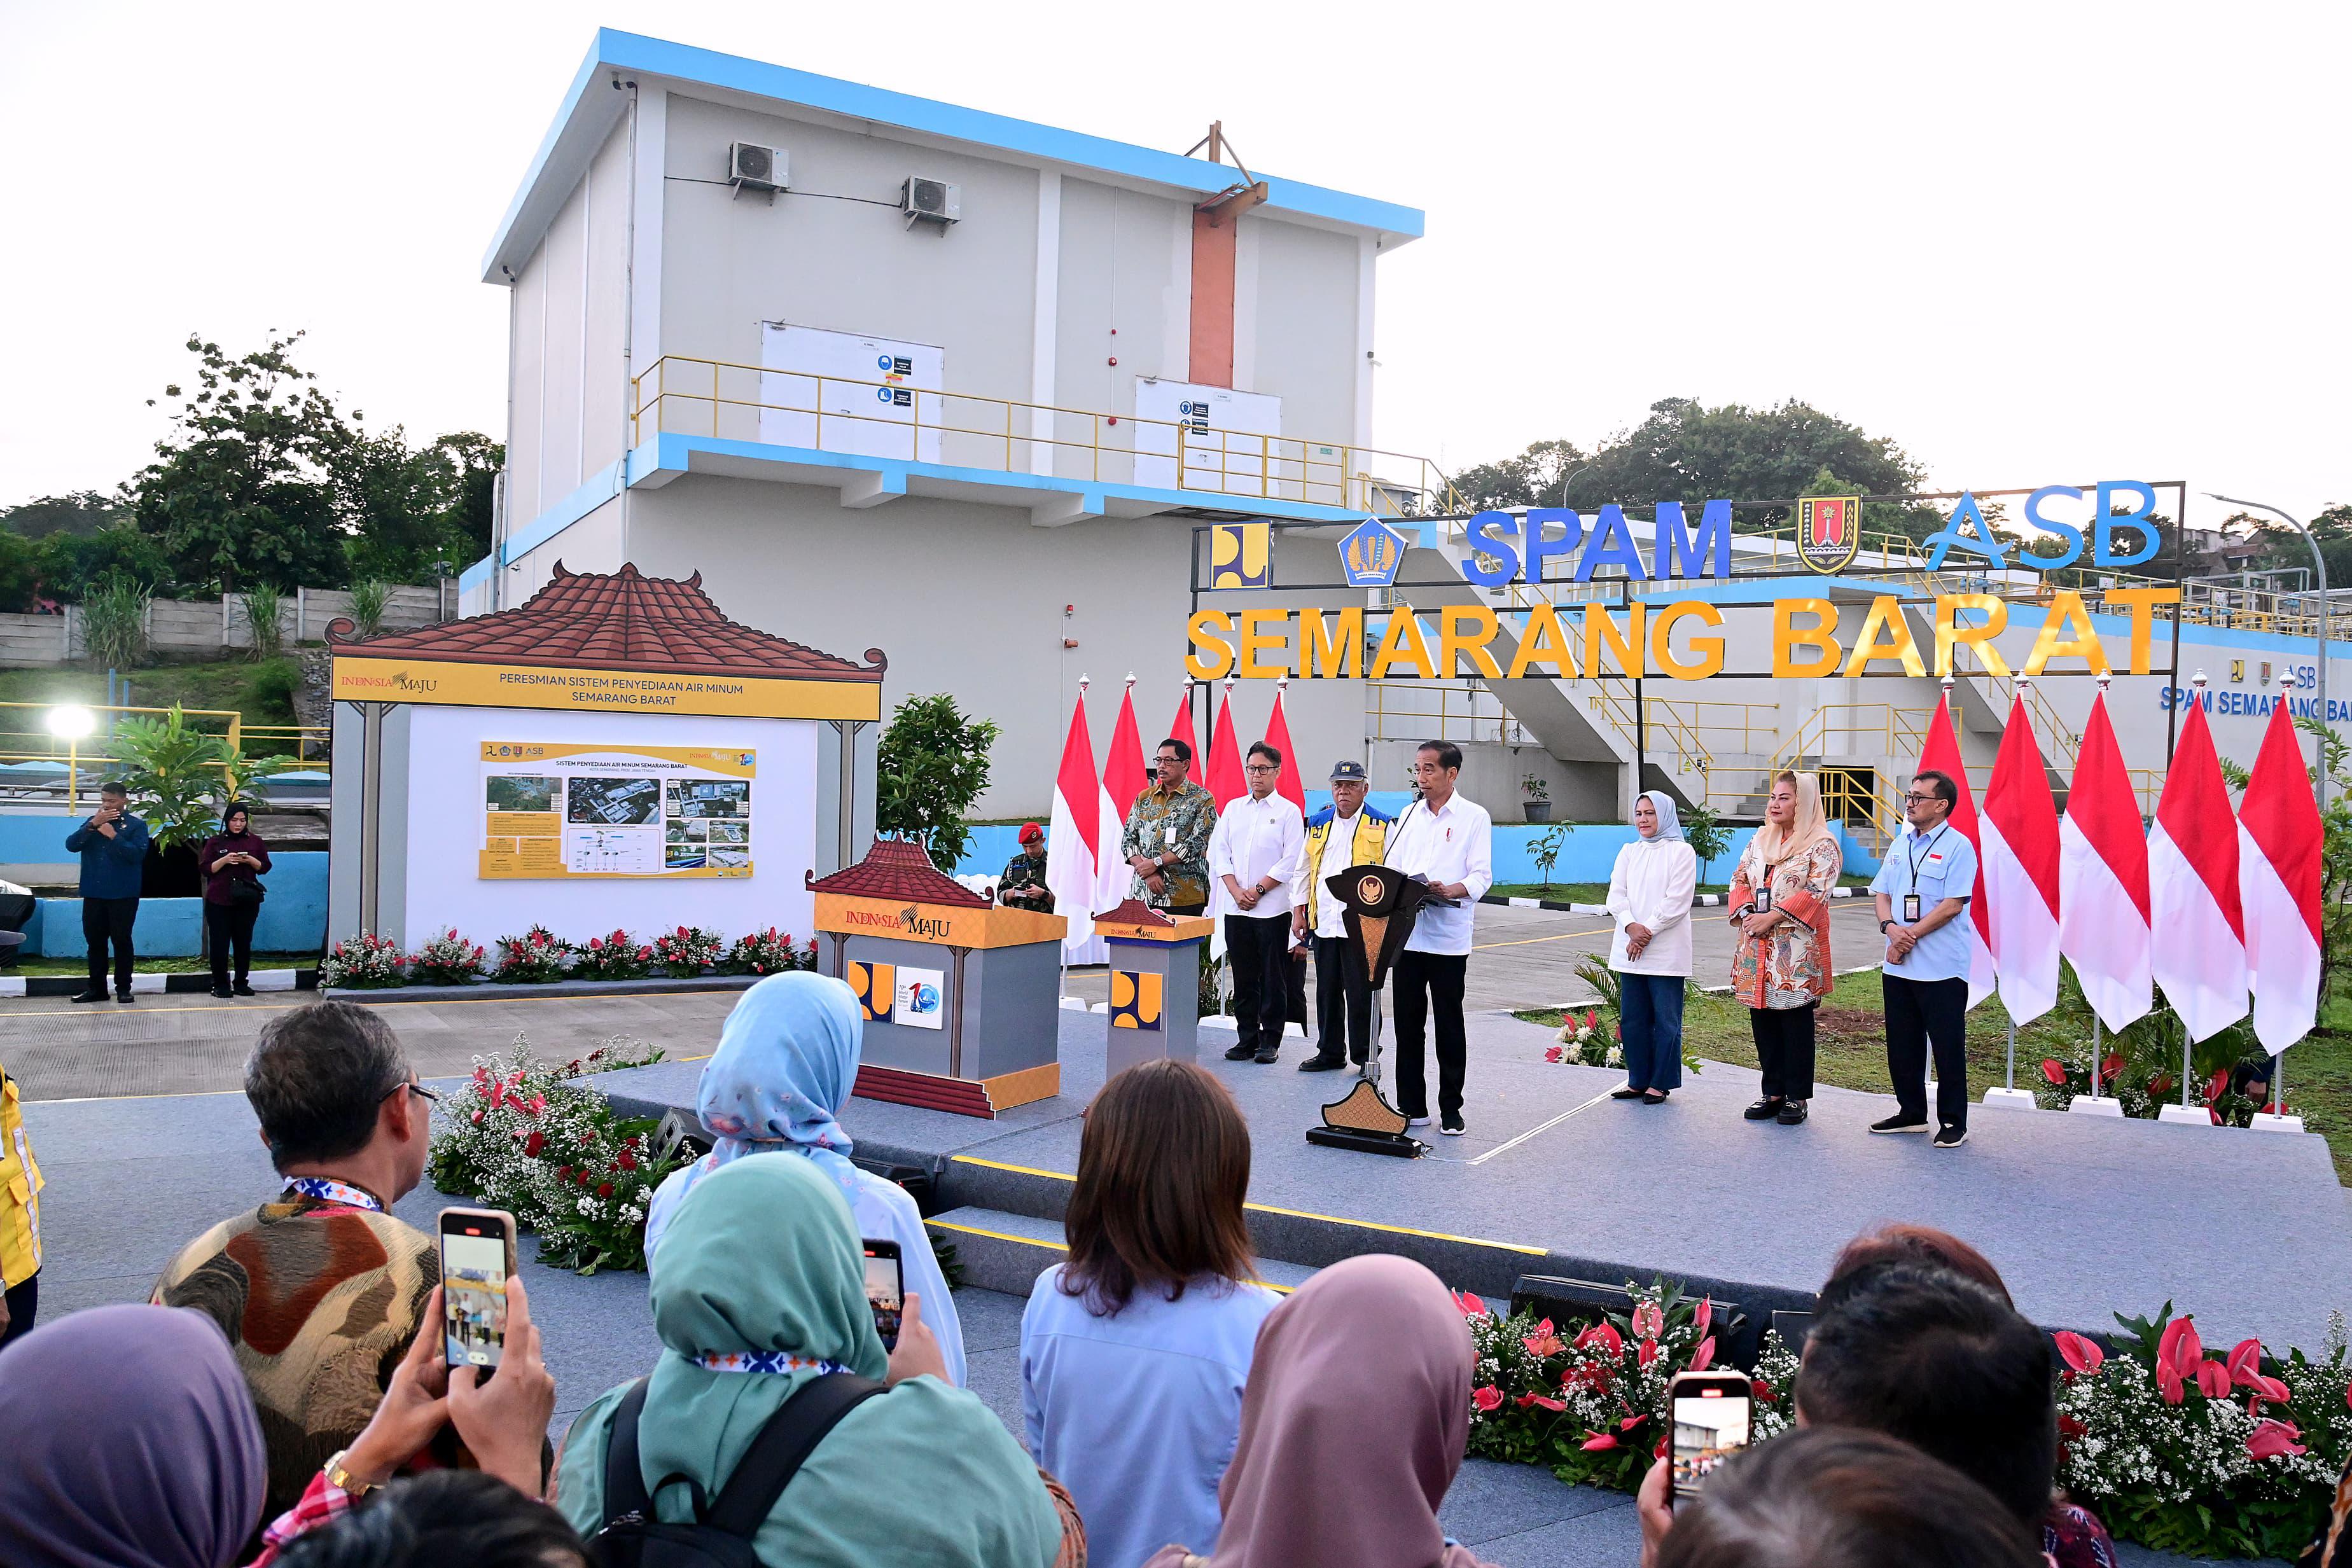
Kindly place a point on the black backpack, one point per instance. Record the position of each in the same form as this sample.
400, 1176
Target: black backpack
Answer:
723, 1534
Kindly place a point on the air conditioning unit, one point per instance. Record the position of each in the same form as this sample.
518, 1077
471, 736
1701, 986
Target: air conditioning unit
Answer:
750, 167
935, 200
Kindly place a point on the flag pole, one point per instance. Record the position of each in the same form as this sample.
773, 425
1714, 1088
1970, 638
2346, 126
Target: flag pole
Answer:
2187, 1046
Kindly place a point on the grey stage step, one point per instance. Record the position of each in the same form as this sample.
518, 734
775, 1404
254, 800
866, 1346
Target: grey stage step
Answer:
1002, 1251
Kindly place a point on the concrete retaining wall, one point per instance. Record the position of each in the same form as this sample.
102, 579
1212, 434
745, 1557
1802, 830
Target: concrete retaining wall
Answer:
206, 628
293, 918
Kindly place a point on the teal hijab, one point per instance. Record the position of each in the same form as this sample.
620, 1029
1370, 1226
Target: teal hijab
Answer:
762, 1258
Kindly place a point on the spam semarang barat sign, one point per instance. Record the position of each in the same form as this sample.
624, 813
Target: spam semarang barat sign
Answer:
1639, 639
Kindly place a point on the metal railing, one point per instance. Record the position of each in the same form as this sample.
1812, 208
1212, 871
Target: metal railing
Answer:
26, 739
1438, 710
726, 401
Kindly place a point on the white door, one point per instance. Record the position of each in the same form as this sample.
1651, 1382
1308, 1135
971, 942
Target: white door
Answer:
836, 391
1221, 428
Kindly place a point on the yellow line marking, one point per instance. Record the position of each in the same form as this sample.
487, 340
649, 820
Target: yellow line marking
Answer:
1050, 1247
1525, 941
392, 995
1290, 1213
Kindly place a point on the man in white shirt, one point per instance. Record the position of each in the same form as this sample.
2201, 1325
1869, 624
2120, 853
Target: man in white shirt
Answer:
1445, 839
1253, 856
1344, 833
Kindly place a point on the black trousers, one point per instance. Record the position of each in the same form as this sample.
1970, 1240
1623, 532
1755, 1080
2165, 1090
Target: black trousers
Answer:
1921, 1014
1784, 1046
1258, 952
1343, 1000
22, 1302
229, 926
1423, 983
105, 920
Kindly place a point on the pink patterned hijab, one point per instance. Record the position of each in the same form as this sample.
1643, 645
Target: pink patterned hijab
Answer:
1352, 1426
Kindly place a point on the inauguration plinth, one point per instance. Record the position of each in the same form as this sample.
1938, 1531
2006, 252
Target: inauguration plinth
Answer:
1155, 983
960, 995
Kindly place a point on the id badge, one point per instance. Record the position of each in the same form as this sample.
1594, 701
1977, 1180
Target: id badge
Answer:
1764, 899
1170, 835
1910, 909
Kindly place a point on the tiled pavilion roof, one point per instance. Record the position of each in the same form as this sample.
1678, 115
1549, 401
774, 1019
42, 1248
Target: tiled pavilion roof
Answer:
616, 620
898, 868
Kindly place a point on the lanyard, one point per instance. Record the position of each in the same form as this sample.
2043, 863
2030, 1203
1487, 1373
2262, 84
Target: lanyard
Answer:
762, 1361
1927, 844
326, 1189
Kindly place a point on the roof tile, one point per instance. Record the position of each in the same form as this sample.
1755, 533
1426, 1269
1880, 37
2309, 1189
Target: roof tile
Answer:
898, 868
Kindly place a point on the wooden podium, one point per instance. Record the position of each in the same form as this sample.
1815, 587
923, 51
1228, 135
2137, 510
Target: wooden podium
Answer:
1378, 908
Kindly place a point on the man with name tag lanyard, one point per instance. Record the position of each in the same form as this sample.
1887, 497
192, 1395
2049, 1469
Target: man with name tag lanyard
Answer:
1167, 837
1445, 839
1921, 890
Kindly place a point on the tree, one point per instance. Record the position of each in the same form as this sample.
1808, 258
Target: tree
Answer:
71, 564
933, 764
415, 514
243, 487
1532, 479
81, 512
2282, 549
466, 520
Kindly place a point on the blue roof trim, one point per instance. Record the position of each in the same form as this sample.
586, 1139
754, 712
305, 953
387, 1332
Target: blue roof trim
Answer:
474, 576
659, 57
600, 488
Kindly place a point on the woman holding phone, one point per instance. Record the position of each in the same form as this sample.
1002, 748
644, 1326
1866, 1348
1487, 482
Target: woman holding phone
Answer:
1650, 893
1780, 963
234, 861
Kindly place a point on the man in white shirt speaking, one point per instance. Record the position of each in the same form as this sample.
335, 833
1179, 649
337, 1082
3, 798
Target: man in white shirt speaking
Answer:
1443, 839
1344, 833
1253, 856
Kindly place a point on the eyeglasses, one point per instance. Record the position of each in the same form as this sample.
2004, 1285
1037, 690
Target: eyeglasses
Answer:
430, 1096
1914, 799
1261, 768
1168, 760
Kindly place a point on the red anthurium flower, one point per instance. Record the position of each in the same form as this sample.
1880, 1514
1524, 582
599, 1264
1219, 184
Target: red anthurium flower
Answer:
1552, 1404
536, 1142
2212, 1380
2112, 1067
2245, 1363
2272, 1389
1598, 1443
1762, 1391
2080, 1354
2068, 1427
2160, 1086
1592, 1018
1552, 1055
1706, 1314
2168, 1382
2180, 1346
2212, 1115
477, 1118
2219, 1084
595, 944
1543, 1342
1630, 1422
1649, 1321
2273, 1439
1469, 1305
1704, 1356
1489, 1399
605, 1189
2052, 1072
2347, 1394
1646, 1354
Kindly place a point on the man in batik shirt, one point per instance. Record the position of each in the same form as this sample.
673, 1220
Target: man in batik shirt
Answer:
1023, 885
1167, 837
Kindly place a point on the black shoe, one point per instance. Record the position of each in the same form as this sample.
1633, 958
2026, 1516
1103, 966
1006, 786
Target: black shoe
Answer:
1899, 1123
1323, 1064
1241, 1054
1792, 1113
1655, 1096
1951, 1137
1452, 1124
242, 990
1628, 1092
89, 995
1764, 1109
224, 993
1268, 1057
122, 997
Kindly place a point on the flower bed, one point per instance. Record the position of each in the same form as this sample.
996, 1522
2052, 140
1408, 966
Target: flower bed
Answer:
2230, 1455
539, 957
522, 1137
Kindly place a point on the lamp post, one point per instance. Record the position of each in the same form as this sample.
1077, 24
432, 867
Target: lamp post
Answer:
71, 724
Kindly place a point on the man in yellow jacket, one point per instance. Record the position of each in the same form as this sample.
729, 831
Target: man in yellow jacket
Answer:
20, 1217
1344, 833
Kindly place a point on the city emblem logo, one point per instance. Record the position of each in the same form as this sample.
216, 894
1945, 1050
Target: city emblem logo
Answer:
1241, 555
1829, 531
1371, 555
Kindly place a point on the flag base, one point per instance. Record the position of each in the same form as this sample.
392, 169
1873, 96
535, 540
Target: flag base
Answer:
2096, 1105
2010, 1099
1074, 1004
2261, 1123
2186, 1115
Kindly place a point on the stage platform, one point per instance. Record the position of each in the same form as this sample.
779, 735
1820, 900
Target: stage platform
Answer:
2083, 1216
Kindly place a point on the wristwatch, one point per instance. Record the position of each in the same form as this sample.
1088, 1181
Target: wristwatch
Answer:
341, 1478
1884, 924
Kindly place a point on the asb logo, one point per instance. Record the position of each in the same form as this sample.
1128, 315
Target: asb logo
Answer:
1829, 530
1371, 555
1241, 555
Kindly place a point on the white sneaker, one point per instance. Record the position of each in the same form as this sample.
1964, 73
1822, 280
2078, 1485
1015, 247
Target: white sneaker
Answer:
1416, 1121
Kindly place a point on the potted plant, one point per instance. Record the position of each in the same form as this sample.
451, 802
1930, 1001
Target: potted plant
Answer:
1539, 794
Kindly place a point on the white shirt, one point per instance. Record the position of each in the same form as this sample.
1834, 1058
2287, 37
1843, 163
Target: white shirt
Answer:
1256, 841
1449, 845
1651, 886
1338, 853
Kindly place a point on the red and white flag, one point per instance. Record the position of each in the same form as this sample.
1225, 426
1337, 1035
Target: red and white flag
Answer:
1182, 727
1124, 776
2102, 903
2279, 838
2193, 888
1084, 833
1224, 779
1942, 755
2019, 844
1278, 735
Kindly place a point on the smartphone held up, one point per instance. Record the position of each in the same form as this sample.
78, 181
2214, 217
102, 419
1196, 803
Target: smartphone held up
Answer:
477, 1252
886, 1289
1711, 1414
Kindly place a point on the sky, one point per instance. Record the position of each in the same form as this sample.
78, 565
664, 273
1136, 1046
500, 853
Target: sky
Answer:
2052, 243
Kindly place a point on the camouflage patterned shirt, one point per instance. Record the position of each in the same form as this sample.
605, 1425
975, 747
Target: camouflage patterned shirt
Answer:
1022, 872
1178, 822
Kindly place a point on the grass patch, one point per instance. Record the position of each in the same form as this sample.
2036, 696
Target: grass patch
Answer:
51, 968
261, 692
1851, 1052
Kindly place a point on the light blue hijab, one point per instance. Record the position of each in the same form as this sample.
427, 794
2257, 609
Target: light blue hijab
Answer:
1670, 825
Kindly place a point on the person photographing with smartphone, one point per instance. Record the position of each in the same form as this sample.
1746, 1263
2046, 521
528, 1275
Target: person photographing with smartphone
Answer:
112, 845
234, 861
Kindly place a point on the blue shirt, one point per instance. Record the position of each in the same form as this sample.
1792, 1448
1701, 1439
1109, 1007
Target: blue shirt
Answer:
1937, 865
1138, 1413
115, 867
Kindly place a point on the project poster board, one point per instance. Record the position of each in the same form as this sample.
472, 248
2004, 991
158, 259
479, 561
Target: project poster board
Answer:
1210, 461
869, 391
553, 811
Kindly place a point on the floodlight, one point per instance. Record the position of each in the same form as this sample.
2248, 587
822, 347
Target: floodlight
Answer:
70, 722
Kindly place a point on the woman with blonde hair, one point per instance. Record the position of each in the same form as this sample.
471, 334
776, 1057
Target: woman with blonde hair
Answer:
1780, 963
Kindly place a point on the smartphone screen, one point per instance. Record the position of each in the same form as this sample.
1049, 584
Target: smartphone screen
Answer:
1710, 1425
886, 1289
474, 1291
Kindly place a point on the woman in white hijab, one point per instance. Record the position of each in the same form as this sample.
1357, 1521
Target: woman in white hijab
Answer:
1650, 898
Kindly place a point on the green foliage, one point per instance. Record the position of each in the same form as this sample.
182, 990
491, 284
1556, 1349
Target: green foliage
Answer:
1532, 479
1703, 830
369, 597
20, 572
1544, 849
72, 565
933, 765
180, 776
2282, 549
262, 603
114, 624
79, 512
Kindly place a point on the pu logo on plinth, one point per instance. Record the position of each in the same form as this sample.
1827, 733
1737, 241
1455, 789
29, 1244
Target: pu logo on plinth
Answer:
1371, 555
1829, 531
1135, 999
1241, 555
876, 988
